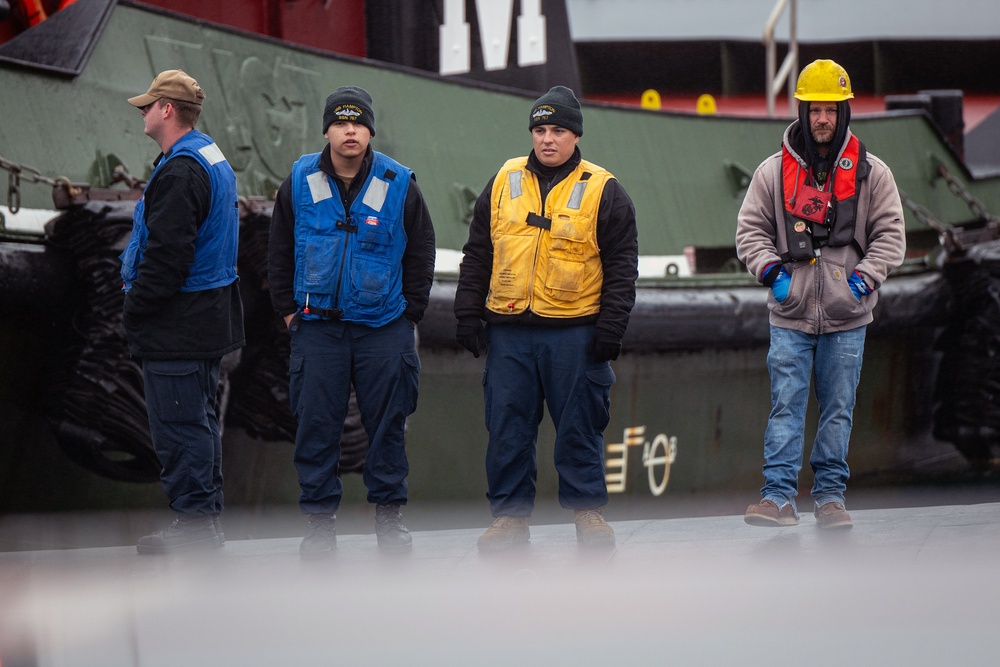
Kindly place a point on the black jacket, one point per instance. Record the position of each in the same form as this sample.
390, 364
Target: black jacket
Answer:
161, 322
617, 239
418, 257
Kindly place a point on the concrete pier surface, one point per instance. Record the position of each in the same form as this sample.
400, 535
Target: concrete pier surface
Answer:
914, 585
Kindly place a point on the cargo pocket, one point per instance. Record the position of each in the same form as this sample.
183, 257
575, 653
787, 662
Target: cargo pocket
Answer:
604, 376
175, 391
411, 369
600, 399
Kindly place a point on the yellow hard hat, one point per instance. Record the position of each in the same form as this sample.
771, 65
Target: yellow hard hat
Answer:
823, 81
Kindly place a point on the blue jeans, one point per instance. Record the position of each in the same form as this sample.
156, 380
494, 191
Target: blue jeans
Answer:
833, 361
526, 366
184, 428
327, 357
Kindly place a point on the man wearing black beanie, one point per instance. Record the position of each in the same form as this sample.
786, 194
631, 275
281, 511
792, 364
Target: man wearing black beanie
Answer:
350, 267
550, 265
559, 107
349, 104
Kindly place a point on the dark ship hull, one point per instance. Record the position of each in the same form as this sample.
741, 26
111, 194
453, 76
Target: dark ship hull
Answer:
688, 408
692, 395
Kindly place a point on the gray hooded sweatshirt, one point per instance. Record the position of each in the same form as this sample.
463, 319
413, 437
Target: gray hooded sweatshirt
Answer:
819, 298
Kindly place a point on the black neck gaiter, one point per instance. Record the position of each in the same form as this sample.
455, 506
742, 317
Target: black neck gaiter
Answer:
820, 164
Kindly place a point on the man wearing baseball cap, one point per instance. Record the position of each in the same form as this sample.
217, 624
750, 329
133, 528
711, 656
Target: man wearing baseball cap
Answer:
550, 266
182, 311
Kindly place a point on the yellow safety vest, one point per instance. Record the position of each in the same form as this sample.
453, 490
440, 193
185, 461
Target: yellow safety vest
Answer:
546, 261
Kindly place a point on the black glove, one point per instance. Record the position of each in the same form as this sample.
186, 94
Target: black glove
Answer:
606, 348
471, 335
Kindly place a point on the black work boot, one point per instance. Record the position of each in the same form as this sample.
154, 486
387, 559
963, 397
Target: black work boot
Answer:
186, 533
321, 537
390, 532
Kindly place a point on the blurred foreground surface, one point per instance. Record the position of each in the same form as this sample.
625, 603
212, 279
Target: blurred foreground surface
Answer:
912, 583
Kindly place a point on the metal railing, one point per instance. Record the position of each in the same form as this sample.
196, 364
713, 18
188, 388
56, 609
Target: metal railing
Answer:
790, 65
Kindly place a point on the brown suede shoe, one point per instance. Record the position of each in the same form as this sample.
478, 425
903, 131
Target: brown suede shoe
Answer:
504, 533
592, 530
832, 515
766, 513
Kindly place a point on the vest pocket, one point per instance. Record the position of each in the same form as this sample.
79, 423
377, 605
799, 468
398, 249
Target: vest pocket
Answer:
564, 279
370, 280
322, 254
568, 250
373, 237
566, 237
513, 259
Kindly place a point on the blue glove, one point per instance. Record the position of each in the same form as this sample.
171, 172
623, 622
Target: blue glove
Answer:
780, 285
858, 286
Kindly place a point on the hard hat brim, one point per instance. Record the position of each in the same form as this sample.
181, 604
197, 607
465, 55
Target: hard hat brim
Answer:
824, 97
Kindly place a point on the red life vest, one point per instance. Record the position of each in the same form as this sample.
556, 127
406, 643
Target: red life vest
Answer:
817, 217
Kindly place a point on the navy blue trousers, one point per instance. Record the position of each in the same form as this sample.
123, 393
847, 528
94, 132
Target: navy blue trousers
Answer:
327, 357
180, 404
527, 366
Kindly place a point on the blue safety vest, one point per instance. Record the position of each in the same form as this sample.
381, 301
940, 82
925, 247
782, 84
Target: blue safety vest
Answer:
217, 244
349, 266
